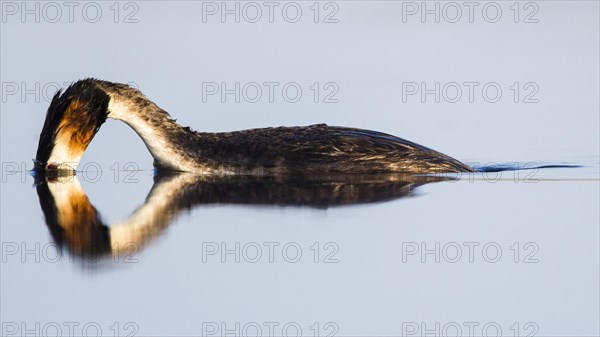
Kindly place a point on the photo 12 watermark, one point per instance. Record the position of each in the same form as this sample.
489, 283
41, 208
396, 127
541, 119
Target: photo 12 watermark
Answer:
89, 172
35, 92
269, 329
469, 252
51, 252
270, 92
493, 172
470, 12
269, 252
469, 329
126, 12
69, 329
470, 92
290, 12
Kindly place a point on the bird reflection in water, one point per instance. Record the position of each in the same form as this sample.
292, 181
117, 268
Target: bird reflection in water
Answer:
77, 226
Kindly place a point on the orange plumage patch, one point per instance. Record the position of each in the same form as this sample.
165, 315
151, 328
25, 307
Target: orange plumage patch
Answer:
76, 128
78, 220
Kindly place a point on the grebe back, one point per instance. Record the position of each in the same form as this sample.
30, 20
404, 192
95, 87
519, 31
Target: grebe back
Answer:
75, 116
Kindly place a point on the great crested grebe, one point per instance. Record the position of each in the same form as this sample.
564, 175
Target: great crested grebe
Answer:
75, 116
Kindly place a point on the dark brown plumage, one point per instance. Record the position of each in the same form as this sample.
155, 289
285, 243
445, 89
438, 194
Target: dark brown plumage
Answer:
317, 149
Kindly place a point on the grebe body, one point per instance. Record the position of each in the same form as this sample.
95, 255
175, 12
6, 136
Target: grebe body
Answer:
75, 116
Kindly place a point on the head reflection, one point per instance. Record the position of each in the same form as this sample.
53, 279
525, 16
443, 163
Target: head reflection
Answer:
76, 225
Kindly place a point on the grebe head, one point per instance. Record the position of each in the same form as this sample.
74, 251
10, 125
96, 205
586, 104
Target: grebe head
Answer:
72, 120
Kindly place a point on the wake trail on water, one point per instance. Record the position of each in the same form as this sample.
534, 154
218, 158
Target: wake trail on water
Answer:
514, 166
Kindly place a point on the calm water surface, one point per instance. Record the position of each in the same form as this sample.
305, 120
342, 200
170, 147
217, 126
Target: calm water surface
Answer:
467, 250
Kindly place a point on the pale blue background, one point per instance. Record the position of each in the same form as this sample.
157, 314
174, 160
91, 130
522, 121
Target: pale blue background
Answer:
169, 52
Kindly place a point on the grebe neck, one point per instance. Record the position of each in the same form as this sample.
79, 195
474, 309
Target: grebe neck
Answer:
164, 138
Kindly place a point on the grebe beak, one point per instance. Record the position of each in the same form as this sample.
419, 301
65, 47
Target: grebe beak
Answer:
72, 121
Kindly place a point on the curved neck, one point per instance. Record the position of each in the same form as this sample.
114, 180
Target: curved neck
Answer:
161, 134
